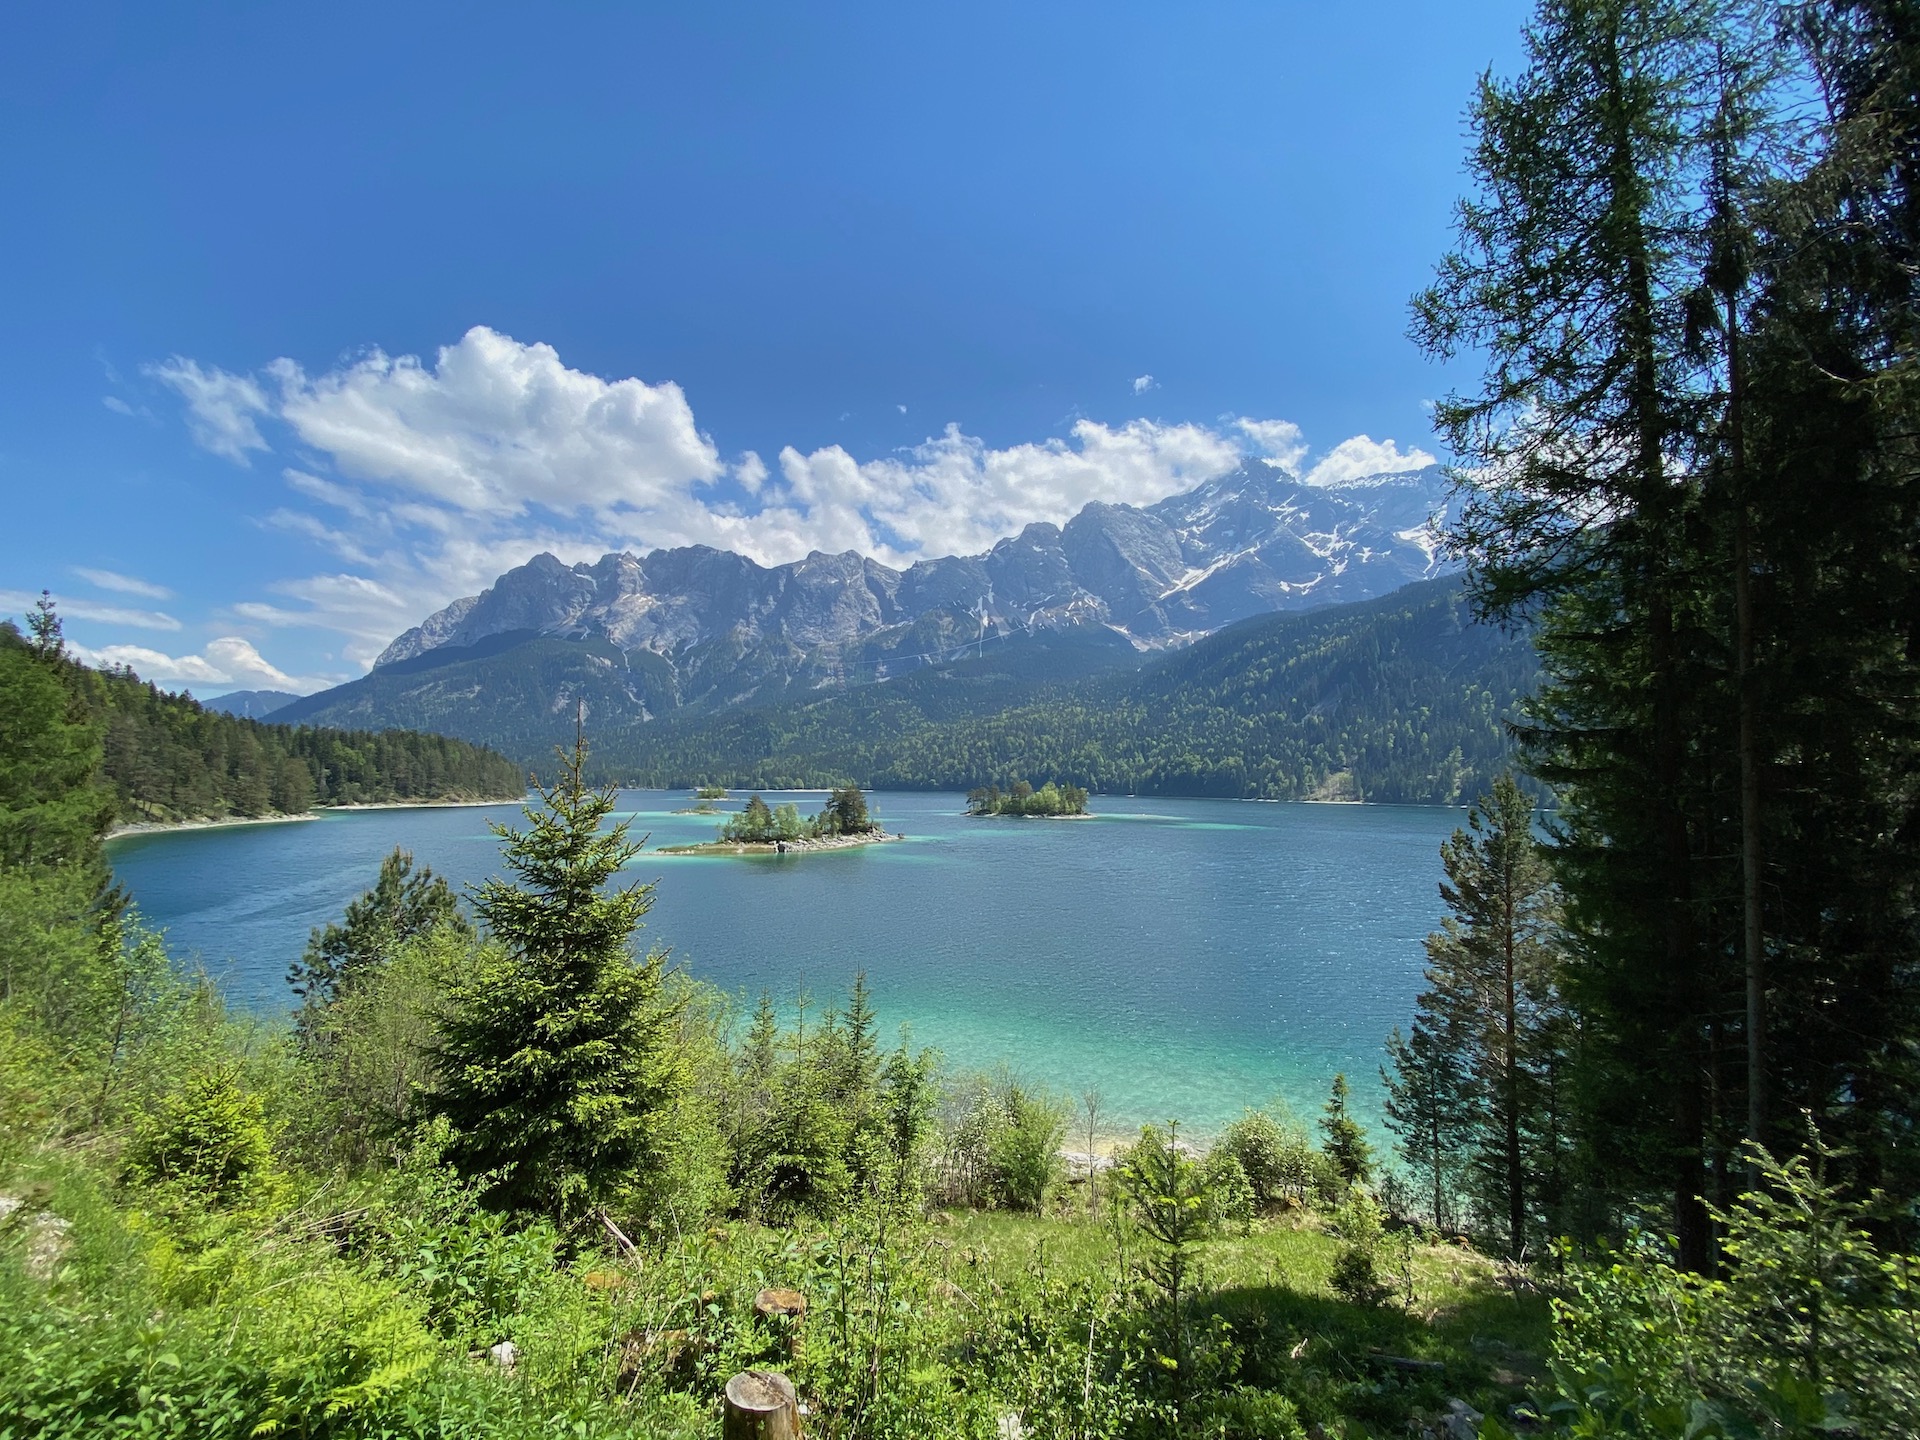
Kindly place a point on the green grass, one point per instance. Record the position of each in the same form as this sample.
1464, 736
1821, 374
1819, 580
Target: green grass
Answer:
1272, 1283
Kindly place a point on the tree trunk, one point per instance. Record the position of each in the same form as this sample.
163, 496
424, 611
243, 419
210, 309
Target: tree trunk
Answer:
1653, 510
761, 1405
1752, 932
1510, 1019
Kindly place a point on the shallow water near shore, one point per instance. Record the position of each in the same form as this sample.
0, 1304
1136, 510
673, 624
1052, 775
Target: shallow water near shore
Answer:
1187, 957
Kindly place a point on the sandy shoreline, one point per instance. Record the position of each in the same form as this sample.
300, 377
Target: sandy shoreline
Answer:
156, 827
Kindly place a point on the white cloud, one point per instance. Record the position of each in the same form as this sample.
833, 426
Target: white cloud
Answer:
117, 405
1144, 383
220, 406
246, 664
1277, 440
228, 660
87, 610
263, 614
437, 476
901, 408
1362, 456
298, 522
954, 494
341, 497
495, 426
153, 665
124, 584
751, 472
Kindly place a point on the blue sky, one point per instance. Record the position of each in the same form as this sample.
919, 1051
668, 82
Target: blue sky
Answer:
318, 317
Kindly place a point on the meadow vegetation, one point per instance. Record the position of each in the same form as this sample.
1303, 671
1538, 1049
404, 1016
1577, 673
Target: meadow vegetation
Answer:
504, 1175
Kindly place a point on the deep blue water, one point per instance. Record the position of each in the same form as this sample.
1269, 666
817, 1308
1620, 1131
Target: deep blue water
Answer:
1188, 957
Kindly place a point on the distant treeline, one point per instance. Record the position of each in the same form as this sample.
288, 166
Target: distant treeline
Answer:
1401, 700
165, 757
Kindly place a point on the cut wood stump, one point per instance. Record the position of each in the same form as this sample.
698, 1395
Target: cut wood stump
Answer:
761, 1405
785, 1309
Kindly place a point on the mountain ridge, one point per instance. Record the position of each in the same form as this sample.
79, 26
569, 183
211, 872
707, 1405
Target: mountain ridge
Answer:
1402, 698
1254, 541
700, 631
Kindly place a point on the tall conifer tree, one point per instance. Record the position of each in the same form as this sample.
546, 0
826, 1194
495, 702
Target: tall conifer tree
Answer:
558, 1051
1493, 994
1573, 273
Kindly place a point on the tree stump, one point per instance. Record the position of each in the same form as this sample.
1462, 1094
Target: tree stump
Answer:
761, 1405
787, 1308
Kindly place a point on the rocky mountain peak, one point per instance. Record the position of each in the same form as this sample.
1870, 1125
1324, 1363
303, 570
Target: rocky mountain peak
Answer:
1256, 540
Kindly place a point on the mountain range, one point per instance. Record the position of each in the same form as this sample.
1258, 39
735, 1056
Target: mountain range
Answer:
1402, 698
697, 631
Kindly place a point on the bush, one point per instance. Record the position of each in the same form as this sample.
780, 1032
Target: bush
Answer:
471, 1268
1229, 1193
1356, 1265
208, 1139
1244, 1413
1023, 1150
1811, 1332
1281, 1164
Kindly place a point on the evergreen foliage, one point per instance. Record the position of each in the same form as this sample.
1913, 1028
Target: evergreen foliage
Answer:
1705, 498
1344, 1139
1021, 798
1478, 1089
556, 1050
209, 1139
162, 757
1425, 1081
404, 905
53, 810
1810, 1332
1170, 1195
845, 813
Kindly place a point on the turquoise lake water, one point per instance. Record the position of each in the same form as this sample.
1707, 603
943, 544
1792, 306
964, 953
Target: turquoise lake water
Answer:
1187, 957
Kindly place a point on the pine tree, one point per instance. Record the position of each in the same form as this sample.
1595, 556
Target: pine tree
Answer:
1345, 1142
558, 1051
754, 822
1426, 1107
403, 905
1492, 986
846, 812
1575, 271
760, 1057
43, 624
1832, 479
52, 812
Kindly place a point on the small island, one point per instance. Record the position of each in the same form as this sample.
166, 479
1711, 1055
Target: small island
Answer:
704, 796
844, 822
1051, 801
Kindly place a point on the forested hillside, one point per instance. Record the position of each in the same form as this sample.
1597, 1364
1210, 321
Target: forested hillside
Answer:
1401, 699
166, 757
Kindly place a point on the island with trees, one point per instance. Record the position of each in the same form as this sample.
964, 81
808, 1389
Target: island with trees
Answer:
844, 822
1053, 801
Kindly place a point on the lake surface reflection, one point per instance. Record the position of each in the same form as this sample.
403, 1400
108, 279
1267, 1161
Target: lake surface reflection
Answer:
1188, 957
